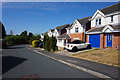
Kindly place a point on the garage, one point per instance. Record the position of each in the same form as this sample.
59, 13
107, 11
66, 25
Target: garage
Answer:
94, 40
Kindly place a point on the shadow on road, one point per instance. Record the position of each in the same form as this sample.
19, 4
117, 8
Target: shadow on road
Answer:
13, 47
9, 62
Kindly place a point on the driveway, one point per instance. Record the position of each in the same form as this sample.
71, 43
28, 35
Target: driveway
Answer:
68, 53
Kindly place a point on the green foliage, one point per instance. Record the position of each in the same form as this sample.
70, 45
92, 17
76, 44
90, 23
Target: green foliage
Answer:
24, 33
45, 42
30, 34
49, 44
35, 43
23, 38
13, 40
11, 32
53, 44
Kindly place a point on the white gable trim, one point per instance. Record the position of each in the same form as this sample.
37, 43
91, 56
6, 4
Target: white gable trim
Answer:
69, 36
74, 23
94, 33
107, 28
98, 12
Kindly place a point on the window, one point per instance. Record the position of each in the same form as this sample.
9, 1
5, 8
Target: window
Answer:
55, 33
68, 30
76, 30
112, 18
76, 42
96, 21
60, 40
99, 21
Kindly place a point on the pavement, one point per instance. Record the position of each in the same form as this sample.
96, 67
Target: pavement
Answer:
23, 62
104, 69
68, 53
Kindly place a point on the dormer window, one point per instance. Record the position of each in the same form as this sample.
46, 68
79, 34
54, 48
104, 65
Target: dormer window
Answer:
112, 18
98, 21
76, 30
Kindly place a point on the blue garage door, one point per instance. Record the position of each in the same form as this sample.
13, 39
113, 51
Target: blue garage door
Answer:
94, 40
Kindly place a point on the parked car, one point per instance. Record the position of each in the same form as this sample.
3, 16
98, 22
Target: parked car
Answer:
77, 44
41, 45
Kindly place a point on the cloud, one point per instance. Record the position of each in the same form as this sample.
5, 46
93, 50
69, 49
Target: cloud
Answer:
29, 5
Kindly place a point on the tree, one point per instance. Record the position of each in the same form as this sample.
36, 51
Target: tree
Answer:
52, 43
3, 30
45, 42
30, 34
24, 33
11, 32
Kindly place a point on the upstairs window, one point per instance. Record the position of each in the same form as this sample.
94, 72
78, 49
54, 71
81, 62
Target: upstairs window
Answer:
76, 30
68, 30
96, 21
112, 18
99, 21
55, 33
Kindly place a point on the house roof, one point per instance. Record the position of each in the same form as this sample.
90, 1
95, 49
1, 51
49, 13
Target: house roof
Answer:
64, 36
99, 29
70, 25
111, 9
84, 20
52, 30
62, 26
116, 27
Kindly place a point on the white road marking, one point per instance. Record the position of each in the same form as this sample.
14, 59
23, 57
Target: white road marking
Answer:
77, 67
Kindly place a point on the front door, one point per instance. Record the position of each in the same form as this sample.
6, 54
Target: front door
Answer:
109, 40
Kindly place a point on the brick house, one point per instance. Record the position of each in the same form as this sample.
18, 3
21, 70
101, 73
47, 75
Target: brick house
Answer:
105, 28
78, 28
75, 31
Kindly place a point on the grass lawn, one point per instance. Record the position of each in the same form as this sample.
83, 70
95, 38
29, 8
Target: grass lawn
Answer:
105, 56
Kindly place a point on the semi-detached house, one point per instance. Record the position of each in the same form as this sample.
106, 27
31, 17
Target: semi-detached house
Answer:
105, 28
55, 32
75, 31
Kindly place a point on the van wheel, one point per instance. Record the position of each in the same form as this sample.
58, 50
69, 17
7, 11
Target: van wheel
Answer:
89, 47
74, 49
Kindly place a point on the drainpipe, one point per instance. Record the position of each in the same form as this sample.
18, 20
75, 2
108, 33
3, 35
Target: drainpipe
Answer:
84, 33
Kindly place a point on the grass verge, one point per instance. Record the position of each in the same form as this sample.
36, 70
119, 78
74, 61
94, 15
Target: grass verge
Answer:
104, 56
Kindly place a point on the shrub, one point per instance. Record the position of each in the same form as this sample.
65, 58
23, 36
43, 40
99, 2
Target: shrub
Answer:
35, 43
53, 44
49, 44
45, 42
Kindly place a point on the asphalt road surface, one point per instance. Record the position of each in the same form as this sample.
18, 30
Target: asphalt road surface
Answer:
20, 62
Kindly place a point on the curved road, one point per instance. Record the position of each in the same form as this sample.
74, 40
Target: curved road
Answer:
20, 62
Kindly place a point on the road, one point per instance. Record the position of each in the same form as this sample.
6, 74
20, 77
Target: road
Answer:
20, 62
